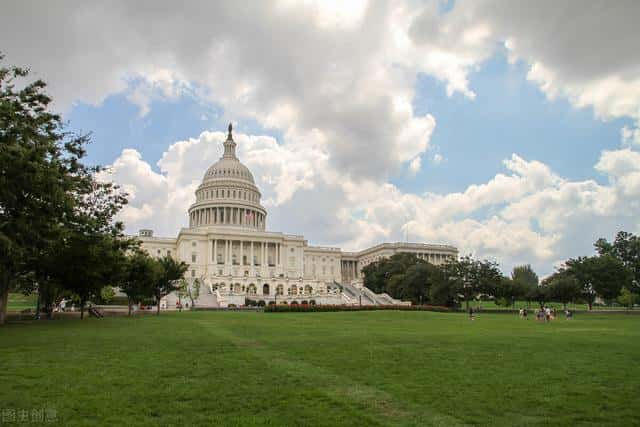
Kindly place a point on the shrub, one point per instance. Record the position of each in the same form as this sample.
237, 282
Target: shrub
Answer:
272, 303
294, 302
260, 303
312, 302
305, 302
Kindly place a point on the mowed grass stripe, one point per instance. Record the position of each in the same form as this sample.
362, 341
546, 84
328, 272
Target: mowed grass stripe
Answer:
367, 404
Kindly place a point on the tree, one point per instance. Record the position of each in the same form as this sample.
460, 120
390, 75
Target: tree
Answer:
182, 291
539, 293
468, 277
139, 278
415, 283
86, 263
508, 291
563, 288
627, 298
524, 274
377, 274
171, 271
107, 293
602, 276
37, 163
193, 290
46, 193
626, 248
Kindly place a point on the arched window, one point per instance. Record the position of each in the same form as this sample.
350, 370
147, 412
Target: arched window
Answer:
307, 290
251, 290
265, 289
279, 290
293, 290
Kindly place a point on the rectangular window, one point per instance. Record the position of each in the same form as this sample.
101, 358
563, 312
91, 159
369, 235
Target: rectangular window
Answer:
193, 257
193, 273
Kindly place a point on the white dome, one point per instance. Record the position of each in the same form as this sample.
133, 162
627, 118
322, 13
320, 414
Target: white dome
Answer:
227, 168
228, 195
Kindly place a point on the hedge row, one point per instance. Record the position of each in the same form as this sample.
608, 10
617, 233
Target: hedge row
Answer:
324, 308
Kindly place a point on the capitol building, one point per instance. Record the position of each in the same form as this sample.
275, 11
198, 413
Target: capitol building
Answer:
232, 254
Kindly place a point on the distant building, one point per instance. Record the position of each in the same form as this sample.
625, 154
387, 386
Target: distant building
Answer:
229, 250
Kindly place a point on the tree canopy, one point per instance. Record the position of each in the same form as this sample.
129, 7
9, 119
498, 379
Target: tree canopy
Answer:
51, 203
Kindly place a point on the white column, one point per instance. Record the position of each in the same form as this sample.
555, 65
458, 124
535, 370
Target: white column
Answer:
263, 255
215, 251
251, 261
241, 252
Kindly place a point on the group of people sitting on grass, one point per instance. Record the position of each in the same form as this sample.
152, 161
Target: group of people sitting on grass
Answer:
545, 314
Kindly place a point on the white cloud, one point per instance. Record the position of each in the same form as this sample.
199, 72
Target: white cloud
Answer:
415, 165
567, 56
630, 136
340, 71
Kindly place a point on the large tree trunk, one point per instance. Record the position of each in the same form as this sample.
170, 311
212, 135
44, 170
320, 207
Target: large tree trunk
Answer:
129, 300
158, 305
4, 297
82, 302
37, 317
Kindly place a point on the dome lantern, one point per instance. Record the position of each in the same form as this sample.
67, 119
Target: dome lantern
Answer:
229, 146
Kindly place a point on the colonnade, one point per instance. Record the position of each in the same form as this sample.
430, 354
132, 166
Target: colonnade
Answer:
349, 270
434, 258
247, 253
227, 216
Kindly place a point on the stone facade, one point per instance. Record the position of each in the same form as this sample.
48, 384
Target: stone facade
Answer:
229, 250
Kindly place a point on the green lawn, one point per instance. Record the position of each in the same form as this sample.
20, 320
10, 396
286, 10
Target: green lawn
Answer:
18, 302
366, 368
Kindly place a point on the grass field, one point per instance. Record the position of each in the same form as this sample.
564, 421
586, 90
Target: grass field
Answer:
18, 302
367, 368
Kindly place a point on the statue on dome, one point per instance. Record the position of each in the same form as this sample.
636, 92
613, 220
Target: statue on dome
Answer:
230, 128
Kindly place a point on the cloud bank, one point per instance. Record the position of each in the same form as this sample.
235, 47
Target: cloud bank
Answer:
337, 81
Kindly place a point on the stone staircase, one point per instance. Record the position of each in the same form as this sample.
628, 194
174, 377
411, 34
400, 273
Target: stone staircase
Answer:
353, 294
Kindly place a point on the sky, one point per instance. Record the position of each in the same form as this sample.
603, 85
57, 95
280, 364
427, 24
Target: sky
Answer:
509, 129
